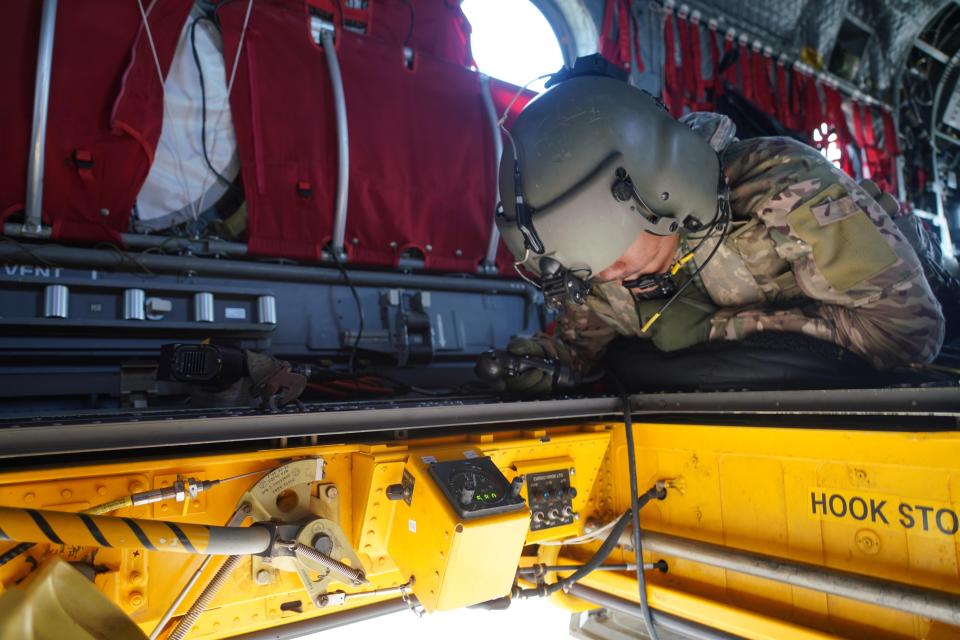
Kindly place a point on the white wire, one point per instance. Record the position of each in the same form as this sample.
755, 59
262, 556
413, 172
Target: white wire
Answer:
516, 96
584, 539
153, 47
506, 112
236, 58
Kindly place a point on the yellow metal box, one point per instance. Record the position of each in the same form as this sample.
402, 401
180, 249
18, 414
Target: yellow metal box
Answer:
456, 561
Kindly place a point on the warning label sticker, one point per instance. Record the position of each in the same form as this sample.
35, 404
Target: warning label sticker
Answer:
928, 516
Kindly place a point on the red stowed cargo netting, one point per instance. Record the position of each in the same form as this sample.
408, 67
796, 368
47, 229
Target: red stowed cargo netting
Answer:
784, 90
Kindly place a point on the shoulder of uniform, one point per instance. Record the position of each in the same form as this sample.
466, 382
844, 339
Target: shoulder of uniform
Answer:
769, 146
776, 160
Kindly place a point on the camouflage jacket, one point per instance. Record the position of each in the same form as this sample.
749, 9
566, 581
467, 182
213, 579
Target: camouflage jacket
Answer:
807, 250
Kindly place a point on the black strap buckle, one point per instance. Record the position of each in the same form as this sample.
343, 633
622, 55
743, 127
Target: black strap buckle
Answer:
652, 287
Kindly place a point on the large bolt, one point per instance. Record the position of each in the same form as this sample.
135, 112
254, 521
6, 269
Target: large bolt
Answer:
135, 599
323, 543
332, 492
264, 577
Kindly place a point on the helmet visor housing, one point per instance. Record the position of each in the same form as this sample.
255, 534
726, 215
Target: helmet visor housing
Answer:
600, 162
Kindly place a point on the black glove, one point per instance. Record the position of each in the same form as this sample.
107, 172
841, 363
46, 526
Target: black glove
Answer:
528, 368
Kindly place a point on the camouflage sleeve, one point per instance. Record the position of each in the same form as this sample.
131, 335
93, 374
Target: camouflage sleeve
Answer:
863, 285
581, 336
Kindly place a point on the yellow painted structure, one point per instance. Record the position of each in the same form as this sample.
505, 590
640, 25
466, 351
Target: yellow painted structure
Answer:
876, 503
454, 562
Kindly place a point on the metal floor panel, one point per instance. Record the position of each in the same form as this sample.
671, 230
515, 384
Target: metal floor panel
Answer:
52, 434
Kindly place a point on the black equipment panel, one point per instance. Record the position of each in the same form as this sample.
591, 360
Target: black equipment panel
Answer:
475, 487
551, 499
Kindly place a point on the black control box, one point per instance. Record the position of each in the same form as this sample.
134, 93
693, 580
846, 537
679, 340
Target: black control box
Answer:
550, 496
475, 487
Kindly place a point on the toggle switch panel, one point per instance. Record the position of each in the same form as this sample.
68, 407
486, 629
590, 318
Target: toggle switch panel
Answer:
550, 496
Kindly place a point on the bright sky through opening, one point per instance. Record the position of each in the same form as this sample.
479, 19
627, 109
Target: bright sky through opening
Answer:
512, 41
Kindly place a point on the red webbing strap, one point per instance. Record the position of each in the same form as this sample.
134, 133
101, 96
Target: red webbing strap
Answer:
746, 72
761, 77
615, 35
607, 22
810, 108
731, 71
761, 86
607, 44
838, 121
869, 133
83, 159
783, 96
770, 64
715, 82
686, 63
892, 147
623, 32
696, 56
858, 124
879, 170
890, 133
859, 136
636, 37
672, 83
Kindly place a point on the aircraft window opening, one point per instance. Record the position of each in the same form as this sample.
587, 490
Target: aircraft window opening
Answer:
827, 143
512, 41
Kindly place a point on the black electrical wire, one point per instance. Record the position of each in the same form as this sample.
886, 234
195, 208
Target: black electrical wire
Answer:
724, 224
609, 544
356, 298
707, 232
203, 102
655, 491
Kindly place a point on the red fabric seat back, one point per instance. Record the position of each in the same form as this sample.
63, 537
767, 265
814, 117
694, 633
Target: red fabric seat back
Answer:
105, 113
282, 110
437, 28
421, 156
421, 145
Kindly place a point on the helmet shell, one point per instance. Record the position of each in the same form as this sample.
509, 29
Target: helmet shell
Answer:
586, 125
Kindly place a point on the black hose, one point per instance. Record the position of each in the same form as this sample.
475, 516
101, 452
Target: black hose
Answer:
203, 102
657, 492
609, 544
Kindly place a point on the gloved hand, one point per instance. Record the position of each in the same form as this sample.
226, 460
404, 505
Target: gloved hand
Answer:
533, 382
524, 368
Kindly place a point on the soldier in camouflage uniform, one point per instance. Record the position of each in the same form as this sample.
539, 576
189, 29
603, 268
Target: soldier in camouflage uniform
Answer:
807, 250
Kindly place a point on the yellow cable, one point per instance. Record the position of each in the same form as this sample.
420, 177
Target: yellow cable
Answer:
650, 322
107, 507
679, 263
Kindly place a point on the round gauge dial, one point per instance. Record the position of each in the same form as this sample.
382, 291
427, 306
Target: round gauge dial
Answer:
474, 485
